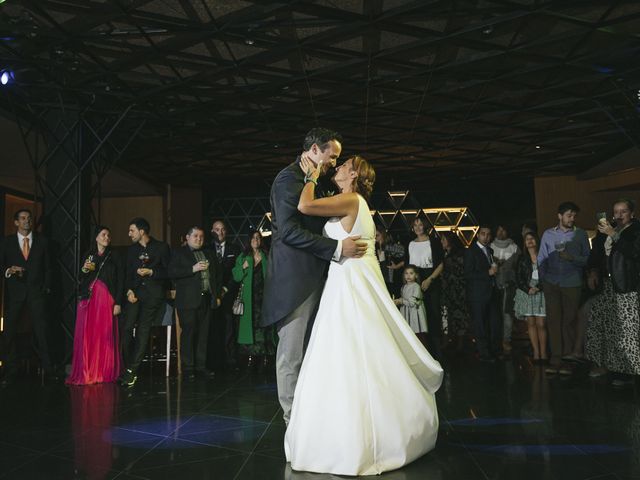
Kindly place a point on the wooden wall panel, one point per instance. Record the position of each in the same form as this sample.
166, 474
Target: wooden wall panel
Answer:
116, 213
12, 205
185, 211
595, 195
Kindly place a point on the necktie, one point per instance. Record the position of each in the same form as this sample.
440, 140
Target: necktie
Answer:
219, 251
25, 248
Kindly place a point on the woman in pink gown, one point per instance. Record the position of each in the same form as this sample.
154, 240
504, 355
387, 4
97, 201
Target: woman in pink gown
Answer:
96, 357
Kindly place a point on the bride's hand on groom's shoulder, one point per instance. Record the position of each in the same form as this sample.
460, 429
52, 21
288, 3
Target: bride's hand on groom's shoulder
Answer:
352, 248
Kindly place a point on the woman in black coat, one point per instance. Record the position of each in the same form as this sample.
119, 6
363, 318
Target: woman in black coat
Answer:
613, 334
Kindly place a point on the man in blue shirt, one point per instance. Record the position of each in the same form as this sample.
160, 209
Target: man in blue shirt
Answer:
563, 254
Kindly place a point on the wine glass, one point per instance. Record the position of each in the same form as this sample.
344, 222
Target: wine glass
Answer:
144, 258
91, 259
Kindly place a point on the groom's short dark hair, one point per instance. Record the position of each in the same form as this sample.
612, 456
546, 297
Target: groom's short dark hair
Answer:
321, 137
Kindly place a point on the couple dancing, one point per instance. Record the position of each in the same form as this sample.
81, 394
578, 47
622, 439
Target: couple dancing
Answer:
362, 402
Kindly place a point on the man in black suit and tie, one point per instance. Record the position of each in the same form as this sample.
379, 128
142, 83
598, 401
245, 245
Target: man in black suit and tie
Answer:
198, 281
26, 264
480, 276
298, 261
146, 283
224, 339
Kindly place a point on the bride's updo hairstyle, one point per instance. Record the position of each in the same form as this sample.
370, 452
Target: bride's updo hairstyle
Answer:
363, 183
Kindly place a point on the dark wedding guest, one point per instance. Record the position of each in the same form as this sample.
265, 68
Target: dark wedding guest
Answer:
96, 357
26, 263
198, 281
223, 335
479, 272
425, 252
391, 257
563, 254
146, 283
505, 253
529, 299
613, 334
453, 290
249, 271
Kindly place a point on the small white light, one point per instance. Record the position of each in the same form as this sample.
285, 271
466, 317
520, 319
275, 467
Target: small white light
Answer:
538, 147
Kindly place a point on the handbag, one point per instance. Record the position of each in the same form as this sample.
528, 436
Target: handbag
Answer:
238, 304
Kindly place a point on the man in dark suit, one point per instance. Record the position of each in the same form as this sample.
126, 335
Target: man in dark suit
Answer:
146, 283
479, 273
224, 335
26, 264
298, 261
198, 281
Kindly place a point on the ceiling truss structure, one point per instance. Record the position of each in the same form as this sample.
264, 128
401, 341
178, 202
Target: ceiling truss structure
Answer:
424, 89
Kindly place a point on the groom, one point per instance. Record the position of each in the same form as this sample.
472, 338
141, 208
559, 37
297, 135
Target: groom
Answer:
298, 261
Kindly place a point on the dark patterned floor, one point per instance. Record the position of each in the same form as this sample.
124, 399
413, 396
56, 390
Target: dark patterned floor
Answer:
502, 421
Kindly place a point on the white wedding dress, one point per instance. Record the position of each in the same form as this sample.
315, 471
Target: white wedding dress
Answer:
364, 402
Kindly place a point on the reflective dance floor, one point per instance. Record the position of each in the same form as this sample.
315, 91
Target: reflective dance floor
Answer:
502, 421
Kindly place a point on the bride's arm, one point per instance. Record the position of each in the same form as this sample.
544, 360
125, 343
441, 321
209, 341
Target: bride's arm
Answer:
337, 206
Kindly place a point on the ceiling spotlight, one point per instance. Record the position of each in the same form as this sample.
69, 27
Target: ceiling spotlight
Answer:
488, 30
538, 147
249, 41
6, 76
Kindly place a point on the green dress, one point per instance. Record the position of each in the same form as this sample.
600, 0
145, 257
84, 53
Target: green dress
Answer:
257, 340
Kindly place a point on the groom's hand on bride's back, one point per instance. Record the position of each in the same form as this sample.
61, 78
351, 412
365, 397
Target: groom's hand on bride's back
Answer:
351, 247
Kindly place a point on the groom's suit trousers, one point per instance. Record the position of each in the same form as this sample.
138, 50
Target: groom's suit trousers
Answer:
292, 333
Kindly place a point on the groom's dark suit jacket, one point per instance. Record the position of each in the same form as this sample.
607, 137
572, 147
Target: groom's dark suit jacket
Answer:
299, 253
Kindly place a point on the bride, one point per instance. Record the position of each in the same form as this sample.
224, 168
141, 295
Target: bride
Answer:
364, 402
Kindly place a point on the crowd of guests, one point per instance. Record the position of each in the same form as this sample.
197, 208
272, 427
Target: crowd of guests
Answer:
578, 298
579, 301
216, 290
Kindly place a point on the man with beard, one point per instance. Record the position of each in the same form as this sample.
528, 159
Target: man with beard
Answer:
564, 251
146, 284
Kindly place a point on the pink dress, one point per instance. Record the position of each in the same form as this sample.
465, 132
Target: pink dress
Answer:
96, 358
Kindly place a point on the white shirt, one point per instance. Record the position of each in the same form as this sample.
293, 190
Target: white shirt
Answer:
420, 254
20, 244
21, 240
486, 252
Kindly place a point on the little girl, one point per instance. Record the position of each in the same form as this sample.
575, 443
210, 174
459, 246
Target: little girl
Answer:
411, 303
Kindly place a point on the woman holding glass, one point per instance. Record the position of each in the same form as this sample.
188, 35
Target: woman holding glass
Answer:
95, 343
249, 271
